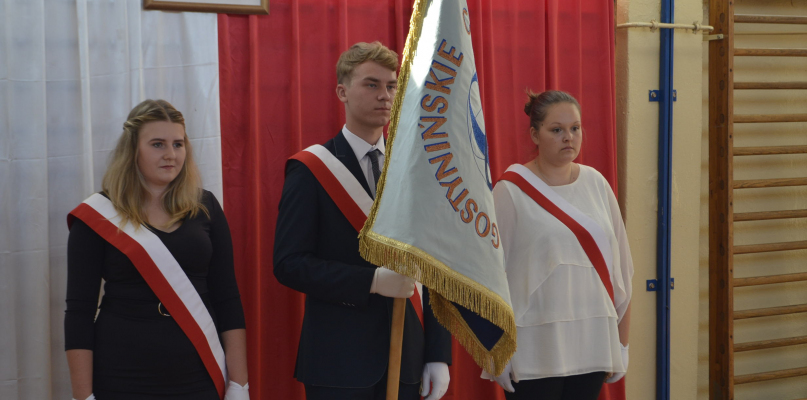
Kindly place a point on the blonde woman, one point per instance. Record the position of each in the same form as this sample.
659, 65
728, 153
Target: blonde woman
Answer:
170, 324
568, 263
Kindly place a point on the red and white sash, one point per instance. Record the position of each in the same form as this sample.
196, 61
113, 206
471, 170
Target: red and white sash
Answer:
348, 194
591, 236
163, 275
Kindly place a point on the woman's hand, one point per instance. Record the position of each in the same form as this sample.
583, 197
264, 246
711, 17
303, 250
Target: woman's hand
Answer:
234, 342
80, 363
237, 392
506, 379
614, 377
235, 354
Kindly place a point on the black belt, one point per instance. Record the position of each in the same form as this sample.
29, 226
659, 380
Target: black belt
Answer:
132, 308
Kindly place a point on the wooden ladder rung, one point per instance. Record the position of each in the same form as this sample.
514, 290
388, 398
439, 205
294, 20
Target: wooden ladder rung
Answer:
769, 247
767, 280
769, 19
769, 312
756, 118
769, 344
766, 376
769, 150
770, 85
770, 52
766, 215
767, 183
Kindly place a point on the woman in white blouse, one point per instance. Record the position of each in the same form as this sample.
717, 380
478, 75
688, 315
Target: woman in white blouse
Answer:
568, 263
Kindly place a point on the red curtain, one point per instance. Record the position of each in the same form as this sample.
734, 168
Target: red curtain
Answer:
277, 88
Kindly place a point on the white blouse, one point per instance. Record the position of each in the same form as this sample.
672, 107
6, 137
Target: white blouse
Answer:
567, 324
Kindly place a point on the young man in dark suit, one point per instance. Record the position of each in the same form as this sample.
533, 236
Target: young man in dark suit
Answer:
344, 343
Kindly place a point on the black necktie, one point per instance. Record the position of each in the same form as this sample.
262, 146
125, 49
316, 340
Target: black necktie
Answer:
373, 154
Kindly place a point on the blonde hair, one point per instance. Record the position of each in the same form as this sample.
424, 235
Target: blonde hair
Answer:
124, 183
362, 52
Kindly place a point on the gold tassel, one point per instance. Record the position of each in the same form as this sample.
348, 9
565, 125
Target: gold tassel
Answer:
492, 361
449, 286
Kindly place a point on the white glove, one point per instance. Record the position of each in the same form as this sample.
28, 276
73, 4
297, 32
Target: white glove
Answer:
435, 380
620, 375
389, 283
237, 392
506, 379
91, 397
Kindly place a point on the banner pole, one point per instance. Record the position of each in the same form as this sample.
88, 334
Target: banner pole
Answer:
395, 348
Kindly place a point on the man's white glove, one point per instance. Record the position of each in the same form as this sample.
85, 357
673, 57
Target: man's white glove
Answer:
237, 392
91, 397
389, 283
435, 380
506, 379
620, 375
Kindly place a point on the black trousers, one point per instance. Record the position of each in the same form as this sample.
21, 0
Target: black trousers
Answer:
574, 387
375, 392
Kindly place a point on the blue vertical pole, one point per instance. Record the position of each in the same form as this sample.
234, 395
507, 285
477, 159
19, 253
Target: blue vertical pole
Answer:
664, 203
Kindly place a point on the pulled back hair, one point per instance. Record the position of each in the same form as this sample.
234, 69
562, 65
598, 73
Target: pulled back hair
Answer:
362, 52
124, 183
538, 104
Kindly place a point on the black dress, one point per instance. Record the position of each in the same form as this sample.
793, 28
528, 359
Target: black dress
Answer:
138, 353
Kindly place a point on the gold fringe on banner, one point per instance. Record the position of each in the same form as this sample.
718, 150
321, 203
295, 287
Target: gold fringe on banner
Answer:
445, 284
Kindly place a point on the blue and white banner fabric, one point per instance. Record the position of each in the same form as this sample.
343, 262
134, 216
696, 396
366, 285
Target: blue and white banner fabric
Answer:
433, 218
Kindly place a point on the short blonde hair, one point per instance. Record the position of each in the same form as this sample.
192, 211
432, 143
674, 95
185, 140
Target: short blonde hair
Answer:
362, 52
124, 183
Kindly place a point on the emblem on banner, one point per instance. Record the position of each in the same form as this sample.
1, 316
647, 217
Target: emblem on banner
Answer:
476, 131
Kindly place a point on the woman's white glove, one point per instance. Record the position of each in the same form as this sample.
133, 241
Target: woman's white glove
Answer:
435, 380
237, 392
620, 375
91, 397
505, 380
389, 283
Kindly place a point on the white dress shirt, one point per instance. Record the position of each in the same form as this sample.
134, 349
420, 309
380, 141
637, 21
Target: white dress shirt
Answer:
360, 148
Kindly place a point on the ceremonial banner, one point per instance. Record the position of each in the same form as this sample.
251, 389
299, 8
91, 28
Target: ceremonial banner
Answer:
433, 218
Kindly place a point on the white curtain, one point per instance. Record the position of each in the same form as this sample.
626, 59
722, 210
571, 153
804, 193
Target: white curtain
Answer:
70, 71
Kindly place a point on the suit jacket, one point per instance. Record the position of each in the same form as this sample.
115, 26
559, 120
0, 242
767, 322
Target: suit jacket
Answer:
345, 335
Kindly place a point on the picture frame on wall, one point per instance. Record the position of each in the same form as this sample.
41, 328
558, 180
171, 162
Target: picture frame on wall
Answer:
213, 6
